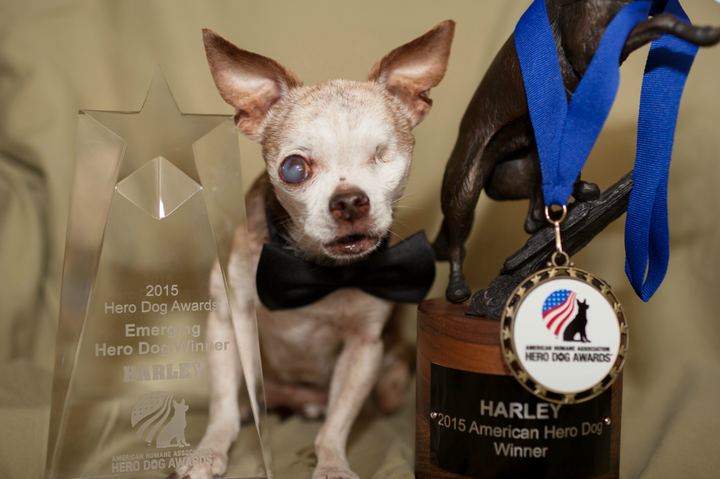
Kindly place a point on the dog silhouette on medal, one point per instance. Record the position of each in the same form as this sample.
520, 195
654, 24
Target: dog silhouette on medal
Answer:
154, 409
578, 324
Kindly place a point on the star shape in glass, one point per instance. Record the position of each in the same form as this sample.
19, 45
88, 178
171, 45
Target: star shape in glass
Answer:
158, 171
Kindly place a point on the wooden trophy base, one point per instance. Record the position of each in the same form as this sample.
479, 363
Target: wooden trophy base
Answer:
447, 337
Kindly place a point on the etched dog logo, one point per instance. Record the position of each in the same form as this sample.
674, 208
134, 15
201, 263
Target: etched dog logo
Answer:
153, 410
175, 429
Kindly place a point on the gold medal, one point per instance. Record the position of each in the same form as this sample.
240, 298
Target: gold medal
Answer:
563, 332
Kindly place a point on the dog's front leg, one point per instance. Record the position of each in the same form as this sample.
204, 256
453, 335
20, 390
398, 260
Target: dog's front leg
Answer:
224, 421
353, 379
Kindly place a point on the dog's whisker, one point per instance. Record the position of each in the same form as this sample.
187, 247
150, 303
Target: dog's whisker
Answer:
401, 198
402, 240
395, 234
401, 223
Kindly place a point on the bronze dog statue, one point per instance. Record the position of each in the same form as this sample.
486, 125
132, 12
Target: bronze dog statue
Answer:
496, 147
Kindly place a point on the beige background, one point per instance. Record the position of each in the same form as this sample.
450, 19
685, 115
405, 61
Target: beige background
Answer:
58, 56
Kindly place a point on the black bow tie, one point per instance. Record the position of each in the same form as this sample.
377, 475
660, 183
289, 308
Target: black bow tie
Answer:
402, 273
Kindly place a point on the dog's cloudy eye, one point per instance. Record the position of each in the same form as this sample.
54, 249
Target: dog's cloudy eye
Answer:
294, 169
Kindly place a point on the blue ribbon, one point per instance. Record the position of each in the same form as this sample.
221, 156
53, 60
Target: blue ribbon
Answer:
565, 134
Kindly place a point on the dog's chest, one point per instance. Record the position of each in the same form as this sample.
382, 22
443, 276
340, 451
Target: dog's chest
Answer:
302, 345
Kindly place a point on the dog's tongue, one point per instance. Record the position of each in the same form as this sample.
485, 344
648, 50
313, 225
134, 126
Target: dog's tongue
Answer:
351, 245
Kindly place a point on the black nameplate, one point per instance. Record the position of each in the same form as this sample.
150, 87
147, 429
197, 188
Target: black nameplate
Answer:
488, 426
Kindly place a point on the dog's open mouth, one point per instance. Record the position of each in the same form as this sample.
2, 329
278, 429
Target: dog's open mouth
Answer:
351, 245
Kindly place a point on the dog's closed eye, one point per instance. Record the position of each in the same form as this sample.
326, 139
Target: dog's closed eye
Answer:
380, 152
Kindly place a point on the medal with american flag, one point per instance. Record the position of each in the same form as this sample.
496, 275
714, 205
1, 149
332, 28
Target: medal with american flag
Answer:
563, 332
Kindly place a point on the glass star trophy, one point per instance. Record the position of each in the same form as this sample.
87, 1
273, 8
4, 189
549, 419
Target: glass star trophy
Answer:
156, 211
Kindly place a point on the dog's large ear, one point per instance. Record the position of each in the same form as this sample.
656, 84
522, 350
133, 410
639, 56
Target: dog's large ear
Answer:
251, 83
410, 71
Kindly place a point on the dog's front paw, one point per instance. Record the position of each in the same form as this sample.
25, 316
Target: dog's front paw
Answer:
333, 472
201, 471
197, 470
191, 475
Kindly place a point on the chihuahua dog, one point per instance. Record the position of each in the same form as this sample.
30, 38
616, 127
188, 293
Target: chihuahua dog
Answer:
338, 157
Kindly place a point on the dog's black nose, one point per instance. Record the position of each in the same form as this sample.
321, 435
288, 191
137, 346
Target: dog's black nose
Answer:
349, 205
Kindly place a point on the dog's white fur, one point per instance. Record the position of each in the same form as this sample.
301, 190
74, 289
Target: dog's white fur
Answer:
356, 142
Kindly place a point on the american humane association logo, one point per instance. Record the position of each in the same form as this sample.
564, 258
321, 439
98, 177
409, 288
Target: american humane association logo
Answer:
152, 411
557, 310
